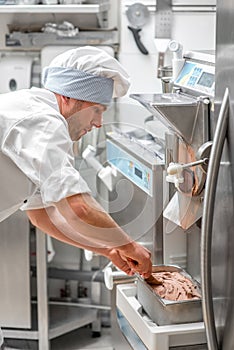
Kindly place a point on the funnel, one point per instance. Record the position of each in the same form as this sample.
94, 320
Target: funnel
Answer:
178, 112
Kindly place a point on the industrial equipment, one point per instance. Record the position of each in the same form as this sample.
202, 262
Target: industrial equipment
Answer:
185, 114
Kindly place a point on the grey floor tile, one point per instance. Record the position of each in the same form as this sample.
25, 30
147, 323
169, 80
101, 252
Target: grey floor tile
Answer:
81, 339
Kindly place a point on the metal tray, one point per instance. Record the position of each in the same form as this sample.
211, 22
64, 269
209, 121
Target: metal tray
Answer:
166, 312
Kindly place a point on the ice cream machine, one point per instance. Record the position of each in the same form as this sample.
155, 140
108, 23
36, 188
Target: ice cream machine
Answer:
186, 112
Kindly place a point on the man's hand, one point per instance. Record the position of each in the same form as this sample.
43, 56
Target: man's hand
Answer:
132, 258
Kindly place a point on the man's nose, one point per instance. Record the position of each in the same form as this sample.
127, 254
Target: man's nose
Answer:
97, 122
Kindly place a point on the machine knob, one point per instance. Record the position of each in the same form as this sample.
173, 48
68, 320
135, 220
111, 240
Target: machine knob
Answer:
114, 277
88, 255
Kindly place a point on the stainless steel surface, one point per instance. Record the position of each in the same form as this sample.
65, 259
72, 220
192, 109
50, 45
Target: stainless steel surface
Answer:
205, 56
166, 71
63, 318
137, 14
171, 145
191, 139
15, 293
137, 212
128, 302
208, 212
74, 275
204, 153
167, 84
222, 245
88, 8
74, 339
178, 111
96, 9
39, 40
167, 312
187, 116
42, 291
67, 318
194, 2
166, 78
163, 23
50, 321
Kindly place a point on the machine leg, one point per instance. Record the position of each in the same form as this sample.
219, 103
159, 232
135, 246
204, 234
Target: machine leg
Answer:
42, 293
95, 296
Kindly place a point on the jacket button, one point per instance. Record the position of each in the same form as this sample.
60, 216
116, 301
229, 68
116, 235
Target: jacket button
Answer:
25, 201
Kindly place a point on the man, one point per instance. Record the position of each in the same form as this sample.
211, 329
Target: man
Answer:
38, 127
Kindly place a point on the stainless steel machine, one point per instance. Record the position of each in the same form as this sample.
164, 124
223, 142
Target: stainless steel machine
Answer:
186, 115
217, 230
186, 112
140, 163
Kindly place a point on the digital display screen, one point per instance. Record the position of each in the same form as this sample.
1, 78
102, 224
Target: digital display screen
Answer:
206, 79
138, 173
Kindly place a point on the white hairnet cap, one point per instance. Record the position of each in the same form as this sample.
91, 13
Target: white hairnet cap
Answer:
86, 73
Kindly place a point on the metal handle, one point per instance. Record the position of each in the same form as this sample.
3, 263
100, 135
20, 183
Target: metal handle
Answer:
177, 168
136, 35
206, 231
116, 277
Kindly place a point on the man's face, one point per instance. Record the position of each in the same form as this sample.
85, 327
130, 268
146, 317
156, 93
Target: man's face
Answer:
82, 116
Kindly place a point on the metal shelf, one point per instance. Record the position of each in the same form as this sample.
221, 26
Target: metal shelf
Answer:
40, 39
76, 8
63, 319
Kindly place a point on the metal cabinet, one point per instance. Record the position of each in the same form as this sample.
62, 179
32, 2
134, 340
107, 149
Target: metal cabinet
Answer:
15, 272
21, 317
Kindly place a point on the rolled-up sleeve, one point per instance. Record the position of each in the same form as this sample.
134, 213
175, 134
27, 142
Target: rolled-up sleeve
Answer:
41, 147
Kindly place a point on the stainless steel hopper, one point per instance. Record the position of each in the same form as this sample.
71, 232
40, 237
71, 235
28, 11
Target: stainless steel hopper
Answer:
187, 116
181, 113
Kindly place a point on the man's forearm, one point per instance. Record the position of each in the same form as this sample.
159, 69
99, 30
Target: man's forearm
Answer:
84, 215
80, 221
40, 218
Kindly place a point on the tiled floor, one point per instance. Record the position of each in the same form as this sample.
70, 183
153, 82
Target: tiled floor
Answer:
80, 339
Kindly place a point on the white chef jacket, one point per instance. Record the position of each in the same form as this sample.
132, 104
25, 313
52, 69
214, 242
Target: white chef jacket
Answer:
36, 154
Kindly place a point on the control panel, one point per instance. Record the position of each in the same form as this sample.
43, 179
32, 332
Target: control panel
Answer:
197, 76
130, 167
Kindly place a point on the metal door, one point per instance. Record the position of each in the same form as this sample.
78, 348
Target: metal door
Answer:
217, 232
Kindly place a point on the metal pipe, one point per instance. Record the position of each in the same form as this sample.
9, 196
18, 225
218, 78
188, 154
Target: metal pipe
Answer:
69, 303
73, 275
